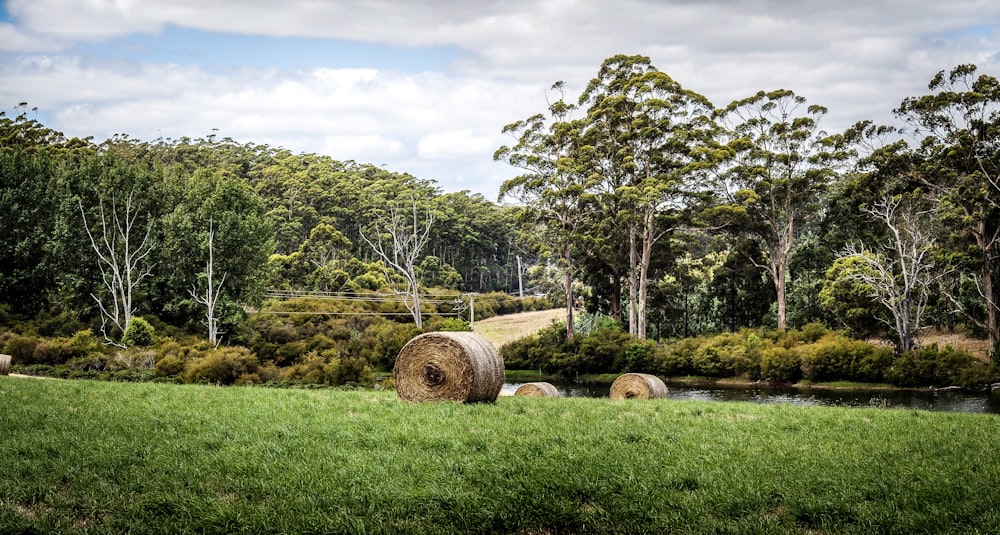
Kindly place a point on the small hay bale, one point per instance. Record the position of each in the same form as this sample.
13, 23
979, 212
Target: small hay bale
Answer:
638, 386
537, 390
448, 366
4, 364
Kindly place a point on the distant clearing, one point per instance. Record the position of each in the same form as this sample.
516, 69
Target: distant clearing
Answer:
504, 329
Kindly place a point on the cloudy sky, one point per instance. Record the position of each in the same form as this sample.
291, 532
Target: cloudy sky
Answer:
425, 87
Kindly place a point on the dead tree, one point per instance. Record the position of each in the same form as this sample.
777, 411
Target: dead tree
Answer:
213, 290
398, 241
122, 250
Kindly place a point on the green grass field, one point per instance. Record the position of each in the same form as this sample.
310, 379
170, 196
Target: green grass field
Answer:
96, 457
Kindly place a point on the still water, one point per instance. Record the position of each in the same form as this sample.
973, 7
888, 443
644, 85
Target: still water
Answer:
949, 401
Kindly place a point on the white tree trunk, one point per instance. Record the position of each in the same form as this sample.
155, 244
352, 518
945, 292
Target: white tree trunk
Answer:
122, 253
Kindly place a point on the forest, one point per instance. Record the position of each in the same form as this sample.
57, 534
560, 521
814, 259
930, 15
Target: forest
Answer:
637, 205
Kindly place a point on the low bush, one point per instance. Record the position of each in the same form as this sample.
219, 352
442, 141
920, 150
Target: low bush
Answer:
838, 358
781, 365
220, 366
138, 334
723, 355
933, 366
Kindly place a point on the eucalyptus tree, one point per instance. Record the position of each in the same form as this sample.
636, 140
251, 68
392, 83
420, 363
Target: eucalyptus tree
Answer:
216, 241
120, 236
959, 122
900, 274
779, 165
646, 136
398, 239
552, 188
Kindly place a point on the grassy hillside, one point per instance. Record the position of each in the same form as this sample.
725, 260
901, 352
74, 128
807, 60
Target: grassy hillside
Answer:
94, 457
507, 328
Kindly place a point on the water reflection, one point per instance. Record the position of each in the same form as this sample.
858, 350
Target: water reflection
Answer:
947, 401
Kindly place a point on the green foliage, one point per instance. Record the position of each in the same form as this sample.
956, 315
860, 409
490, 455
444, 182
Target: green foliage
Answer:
834, 358
224, 366
138, 334
723, 355
454, 325
781, 365
349, 371
934, 366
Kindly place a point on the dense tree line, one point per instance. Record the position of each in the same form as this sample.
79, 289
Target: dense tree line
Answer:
639, 199
679, 217
196, 231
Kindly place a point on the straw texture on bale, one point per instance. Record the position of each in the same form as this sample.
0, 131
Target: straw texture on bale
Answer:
448, 366
4, 364
537, 390
638, 386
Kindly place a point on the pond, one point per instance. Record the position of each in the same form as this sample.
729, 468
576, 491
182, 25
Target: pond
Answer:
940, 400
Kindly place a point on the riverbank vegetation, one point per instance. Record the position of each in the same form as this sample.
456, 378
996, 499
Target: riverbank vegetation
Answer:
94, 457
812, 354
718, 238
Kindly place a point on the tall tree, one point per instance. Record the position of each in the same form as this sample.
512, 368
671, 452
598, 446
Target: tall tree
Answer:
552, 187
218, 220
645, 130
213, 291
121, 240
778, 168
960, 124
398, 241
900, 273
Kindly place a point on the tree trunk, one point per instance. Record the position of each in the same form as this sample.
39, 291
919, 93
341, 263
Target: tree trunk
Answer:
568, 282
647, 253
991, 300
633, 282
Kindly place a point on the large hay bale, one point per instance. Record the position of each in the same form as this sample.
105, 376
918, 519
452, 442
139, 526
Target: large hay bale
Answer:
638, 386
537, 390
4, 364
448, 366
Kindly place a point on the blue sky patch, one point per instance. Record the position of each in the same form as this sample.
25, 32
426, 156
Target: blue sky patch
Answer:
221, 50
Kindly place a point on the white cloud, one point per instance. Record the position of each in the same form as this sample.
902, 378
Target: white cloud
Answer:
455, 144
858, 59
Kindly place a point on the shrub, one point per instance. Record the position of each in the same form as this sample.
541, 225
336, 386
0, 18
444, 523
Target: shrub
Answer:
454, 325
21, 348
91, 362
221, 366
169, 366
606, 351
138, 334
931, 366
835, 358
309, 369
723, 355
780, 364
349, 370
812, 332
676, 359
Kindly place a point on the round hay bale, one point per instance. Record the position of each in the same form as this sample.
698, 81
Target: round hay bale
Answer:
537, 390
638, 386
448, 366
4, 364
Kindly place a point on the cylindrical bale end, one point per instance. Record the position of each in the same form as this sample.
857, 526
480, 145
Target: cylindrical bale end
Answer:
448, 366
537, 390
638, 386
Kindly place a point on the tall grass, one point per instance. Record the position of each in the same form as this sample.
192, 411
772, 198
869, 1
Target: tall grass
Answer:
94, 457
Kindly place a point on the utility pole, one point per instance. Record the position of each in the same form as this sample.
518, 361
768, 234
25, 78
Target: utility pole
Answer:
520, 281
472, 311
